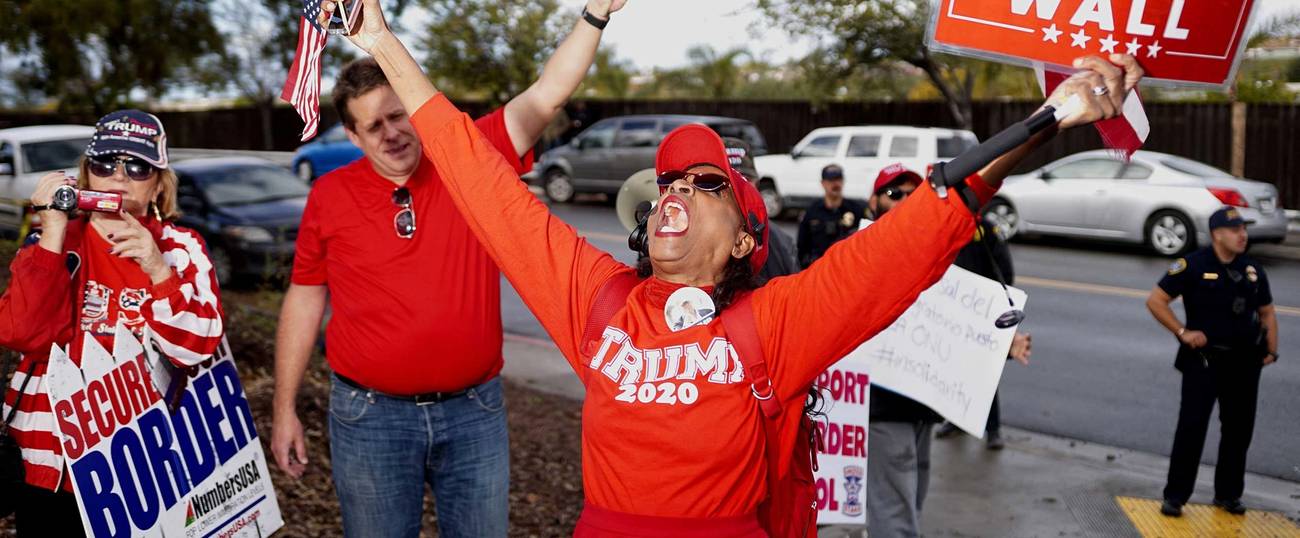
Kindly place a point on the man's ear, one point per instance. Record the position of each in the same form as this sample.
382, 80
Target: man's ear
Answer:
356, 139
743, 246
871, 204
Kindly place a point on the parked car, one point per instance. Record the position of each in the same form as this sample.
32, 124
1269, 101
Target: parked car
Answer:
26, 154
604, 155
246, 209
328, 151
793, 181
1162, 200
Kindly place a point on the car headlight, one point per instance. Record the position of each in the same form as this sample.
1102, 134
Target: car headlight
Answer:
250, 234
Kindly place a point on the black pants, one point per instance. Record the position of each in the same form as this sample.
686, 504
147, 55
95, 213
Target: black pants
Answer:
994, 424
1236, 387
41, 512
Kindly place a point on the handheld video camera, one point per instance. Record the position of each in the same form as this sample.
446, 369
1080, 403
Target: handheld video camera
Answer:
68, 199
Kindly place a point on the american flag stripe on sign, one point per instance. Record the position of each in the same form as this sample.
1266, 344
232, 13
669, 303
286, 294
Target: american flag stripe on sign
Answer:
302, 87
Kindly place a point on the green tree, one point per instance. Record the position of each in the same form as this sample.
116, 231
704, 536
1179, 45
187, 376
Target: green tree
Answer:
94, 54
610, 77
709, 74
260, 41
871, 33
493, 49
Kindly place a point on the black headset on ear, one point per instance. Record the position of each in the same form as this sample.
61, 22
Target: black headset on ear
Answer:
639, 239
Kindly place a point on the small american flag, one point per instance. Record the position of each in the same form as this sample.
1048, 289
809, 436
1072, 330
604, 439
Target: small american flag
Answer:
302, 88
1125, 133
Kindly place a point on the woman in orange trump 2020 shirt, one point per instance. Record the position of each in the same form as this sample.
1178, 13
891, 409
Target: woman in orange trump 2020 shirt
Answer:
673, 440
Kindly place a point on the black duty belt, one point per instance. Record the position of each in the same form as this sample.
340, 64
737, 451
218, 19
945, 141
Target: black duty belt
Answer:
419, 399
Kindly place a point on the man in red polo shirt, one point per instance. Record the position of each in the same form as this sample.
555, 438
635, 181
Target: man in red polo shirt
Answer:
415, 334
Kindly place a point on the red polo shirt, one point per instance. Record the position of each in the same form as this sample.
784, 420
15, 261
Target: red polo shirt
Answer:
409, 315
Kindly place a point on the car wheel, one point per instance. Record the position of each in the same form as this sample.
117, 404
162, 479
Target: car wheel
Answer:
222, 263
771, 198
559, 186
1003, 217
305, 171
1170, 233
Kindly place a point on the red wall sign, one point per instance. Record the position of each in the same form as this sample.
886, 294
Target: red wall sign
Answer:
1182, 41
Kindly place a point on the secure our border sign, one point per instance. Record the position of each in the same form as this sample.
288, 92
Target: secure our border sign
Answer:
1179, 42
139, 468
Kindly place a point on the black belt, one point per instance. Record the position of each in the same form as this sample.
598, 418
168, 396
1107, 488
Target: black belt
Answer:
419, 399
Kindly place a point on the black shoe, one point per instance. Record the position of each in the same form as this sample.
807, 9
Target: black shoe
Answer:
947, 430
1171, 508
994, 441
1233, 506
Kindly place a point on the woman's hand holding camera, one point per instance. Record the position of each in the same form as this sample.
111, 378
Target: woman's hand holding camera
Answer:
135, 242
51, 219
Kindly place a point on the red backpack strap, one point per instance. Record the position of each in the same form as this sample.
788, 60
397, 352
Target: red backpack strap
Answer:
611, 298
742, 330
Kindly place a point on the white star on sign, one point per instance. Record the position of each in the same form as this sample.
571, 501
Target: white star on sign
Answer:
1153, 49
1051, 33
1079, 39
1107, 44
1133, 47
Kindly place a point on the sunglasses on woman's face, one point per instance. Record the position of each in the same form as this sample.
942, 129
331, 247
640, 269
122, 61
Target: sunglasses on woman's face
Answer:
707, 182
135, 169
895, 193
404, 221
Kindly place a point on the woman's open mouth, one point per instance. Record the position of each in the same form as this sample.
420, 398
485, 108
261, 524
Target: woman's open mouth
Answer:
674, 219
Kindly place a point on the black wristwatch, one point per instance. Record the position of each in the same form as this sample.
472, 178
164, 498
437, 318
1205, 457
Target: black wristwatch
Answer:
1274, 355
593, 20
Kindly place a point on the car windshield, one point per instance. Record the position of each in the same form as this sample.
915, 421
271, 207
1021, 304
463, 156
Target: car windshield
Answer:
743, 131
1193, 168
53, 154
249, 184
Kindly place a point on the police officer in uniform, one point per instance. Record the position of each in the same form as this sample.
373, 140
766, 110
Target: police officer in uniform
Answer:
1230, 335
828, 220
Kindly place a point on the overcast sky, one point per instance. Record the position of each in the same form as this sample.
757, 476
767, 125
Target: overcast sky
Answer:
657, 33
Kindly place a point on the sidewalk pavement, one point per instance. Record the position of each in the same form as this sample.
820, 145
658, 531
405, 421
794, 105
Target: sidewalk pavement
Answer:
1039, 485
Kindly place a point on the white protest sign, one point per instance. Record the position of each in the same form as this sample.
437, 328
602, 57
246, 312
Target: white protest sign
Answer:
842, 452
139, 469
944, 351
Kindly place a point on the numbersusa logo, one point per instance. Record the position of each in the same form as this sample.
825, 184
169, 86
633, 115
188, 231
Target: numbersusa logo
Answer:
221, 493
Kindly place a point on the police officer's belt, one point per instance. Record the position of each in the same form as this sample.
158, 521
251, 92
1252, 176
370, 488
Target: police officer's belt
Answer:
426, 398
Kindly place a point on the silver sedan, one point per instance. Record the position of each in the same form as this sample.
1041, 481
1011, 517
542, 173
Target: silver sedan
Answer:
1161, 200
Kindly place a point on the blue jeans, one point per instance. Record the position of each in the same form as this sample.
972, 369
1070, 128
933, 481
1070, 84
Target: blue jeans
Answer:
385, 450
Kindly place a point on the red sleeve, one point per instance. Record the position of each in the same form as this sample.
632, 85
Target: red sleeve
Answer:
309, 249
812, 319
38, 304
494, 130
184, 312
556, 272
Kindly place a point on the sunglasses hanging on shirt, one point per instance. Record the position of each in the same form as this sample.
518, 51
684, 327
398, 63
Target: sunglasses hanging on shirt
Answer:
404, 221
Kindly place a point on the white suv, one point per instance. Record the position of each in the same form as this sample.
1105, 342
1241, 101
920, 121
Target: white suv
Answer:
26, 154
793, 181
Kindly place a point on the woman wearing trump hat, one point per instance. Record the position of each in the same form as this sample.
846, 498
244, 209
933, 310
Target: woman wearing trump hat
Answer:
125, 266
673, 437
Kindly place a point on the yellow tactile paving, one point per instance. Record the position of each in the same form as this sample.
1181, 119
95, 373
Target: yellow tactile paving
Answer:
1204, 520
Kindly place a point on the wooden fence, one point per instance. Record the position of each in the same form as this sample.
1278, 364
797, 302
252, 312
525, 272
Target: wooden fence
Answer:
1201, 131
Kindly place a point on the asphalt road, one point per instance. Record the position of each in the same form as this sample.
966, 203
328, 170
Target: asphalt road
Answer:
1102, 369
